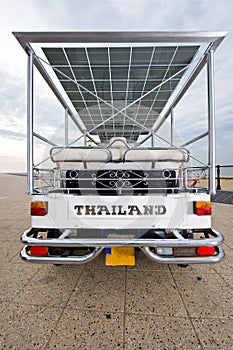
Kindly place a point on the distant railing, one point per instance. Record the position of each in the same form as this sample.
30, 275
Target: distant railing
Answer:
218, 167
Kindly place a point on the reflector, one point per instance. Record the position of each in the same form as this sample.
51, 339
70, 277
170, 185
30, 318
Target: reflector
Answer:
39, 250
206, 250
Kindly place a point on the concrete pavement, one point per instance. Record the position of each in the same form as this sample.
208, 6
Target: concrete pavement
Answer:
149, 306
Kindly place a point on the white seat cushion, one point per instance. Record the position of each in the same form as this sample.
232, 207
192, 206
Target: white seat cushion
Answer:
157, 155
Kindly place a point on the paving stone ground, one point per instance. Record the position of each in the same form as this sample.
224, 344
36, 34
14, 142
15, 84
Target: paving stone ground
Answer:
225, 197
149, 306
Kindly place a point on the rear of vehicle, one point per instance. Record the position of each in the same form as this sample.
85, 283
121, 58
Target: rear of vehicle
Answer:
120, 185
118, 198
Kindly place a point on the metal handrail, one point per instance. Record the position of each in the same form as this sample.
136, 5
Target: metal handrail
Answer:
48, 180
218, 167
117, 242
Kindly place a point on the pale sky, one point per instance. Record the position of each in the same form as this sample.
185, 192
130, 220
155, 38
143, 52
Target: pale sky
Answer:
110, 15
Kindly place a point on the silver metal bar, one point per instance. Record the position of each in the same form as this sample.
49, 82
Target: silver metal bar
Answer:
110, 78
144, 85
127, 84
128, 76
66, 128
177, 234
146, 250
42, 138
184, 260
164, 79
195, 139
159, 137
152, 141
166, 141
82, 259
117, 242
211, 120
121, 37
38, 63
85, 139
172, 125
75, 81
30, 115
91, 138
93, 82
180, 90
70, 144
144, 139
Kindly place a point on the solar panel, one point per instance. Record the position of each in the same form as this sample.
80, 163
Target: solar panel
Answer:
127, 85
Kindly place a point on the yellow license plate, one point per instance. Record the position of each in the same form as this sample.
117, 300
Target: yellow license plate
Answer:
120, 256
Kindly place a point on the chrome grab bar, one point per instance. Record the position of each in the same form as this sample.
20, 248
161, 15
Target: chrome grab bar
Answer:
117, 242
81, 259
184, 260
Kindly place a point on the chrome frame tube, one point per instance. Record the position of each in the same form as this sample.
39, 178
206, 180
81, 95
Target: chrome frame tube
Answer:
42, 138
144, 244
30, 116
149, 135
172, 125
66, 128
152, 140
94, 85
121, 37
81, 259
117, 242
211, 120
164, 79
83, 129
184, 260
195, 139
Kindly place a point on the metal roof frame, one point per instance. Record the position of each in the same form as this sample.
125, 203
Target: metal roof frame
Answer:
210, 40
120, 37
213, 39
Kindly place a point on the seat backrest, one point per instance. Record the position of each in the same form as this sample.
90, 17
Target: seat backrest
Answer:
156, 155
77, 157
80, 154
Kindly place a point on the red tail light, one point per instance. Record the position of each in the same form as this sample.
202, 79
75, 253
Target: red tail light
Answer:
39, 250
206, 250
202, 208
39, 208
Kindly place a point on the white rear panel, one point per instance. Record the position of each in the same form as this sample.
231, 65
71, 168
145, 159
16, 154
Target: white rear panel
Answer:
122, 212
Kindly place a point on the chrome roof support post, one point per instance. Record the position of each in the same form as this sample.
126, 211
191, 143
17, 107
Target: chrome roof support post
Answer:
152, 141
172, 125
30, 115
211, 121
66, 128
85, 139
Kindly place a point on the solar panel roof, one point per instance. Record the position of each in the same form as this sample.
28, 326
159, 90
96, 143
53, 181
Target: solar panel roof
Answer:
130, 85
119, 83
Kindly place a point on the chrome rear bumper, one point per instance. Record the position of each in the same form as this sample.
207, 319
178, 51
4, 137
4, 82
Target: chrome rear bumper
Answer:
144, 244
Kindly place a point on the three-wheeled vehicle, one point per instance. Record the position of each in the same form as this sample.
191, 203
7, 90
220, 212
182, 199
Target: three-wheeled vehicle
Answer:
120, 183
